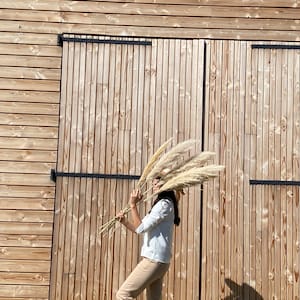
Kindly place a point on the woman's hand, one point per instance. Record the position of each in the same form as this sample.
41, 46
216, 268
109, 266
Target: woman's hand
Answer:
121, 216
135, 197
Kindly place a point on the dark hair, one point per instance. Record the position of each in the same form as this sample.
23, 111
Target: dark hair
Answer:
171, 196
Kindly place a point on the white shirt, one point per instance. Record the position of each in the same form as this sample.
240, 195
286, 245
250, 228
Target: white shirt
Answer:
157, 227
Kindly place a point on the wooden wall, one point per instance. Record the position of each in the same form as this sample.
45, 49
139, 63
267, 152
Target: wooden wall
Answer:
40, 21
30, 73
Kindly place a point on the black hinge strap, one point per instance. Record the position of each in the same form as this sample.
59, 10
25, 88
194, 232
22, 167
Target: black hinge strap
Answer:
54, 174
61, 38
278, 46
274, 182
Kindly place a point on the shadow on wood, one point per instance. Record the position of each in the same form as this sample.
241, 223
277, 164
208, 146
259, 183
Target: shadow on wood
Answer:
241, 292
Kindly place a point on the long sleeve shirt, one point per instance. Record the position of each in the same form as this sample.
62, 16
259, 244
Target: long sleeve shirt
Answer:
157, 227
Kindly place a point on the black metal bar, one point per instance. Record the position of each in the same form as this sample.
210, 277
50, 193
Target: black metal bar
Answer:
269, 46
274, 182
61, 38
55, 174
202, 148
203, 97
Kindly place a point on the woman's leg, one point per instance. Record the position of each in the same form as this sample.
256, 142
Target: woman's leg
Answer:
154, 290
145, 273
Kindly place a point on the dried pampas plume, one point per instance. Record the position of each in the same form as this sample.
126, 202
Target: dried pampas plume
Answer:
195, 161
152, 162
191, 177
176, 171
171, 159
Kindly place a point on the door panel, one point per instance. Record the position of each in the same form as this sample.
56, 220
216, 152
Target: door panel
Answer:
251, 232
119, 103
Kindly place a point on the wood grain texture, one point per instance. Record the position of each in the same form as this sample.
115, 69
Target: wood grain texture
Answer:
227, 20
252, 101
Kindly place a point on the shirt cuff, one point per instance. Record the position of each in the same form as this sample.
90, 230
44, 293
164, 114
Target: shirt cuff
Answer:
140, 228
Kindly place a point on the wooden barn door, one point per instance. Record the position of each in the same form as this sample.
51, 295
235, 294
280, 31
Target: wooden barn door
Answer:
120, 100
275, 153
251, 214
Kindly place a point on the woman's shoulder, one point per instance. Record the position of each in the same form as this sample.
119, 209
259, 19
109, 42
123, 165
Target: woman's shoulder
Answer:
165, 203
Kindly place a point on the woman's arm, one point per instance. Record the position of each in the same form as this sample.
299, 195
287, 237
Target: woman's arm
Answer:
135, 197
124, 221
162, 210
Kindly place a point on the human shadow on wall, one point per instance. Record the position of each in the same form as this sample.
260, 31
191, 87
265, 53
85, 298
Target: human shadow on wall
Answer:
240, 292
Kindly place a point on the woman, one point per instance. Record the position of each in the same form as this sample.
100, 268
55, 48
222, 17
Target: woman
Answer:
157, 227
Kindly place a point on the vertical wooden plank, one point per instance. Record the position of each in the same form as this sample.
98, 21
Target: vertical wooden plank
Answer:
122, 161
55, 267
114, 98
265, 170
69, 153
241, 199
289, 170
80, 185
208, 190
97, 216
152, 96
110, 164
277, 154
223, 48
196, 132
129, 91
83, 114
116, 134
253, 162
182, 136
247, 172
259, 173
164, 91
283, 143
201, 90
296, 256
229, 214
158, 92
171, 100
234, 87
165, 116
147, 137
177, 233
156, 87
272, 174
66, 165
88, 138
187, 204
296, 164
92, 168
136, 242
143, 120
104, 185
171, 114
72, 194
140, 107
215, 205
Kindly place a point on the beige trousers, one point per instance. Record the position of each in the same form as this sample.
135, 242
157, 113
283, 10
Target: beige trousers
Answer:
146, 275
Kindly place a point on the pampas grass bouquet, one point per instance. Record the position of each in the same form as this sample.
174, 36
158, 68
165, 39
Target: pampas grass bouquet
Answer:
176, 168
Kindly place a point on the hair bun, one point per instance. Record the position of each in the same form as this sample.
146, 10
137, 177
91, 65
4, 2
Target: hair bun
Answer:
177, 221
